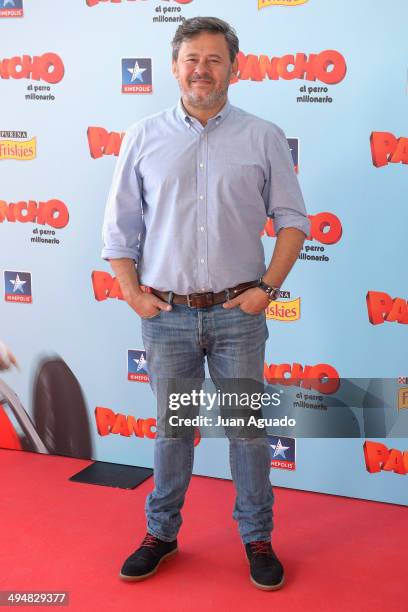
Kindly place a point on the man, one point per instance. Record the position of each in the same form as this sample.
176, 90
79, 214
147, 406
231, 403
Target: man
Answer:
190, 195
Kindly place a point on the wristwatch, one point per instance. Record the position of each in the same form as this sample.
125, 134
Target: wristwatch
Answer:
271, 292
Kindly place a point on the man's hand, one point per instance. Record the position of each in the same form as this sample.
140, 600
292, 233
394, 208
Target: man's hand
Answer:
7, 358
252, 301
146, 305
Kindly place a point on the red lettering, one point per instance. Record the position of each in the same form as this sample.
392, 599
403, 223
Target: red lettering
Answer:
105, 286
148, 425
47, 67
24, 64
125, 425
135, 426
381, 307
6, 212
4, 73
95, 2
328, 66
268, 67
394, 463
378, 457
105, 419
120, 426
399, 311
383, 145
401, 152
323, 61
376, 454
319, 223
386, 148
101, 142
54, 212
321, 377
325, 221
31, 211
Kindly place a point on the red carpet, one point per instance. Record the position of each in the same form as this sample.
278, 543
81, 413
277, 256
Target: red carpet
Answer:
339, 554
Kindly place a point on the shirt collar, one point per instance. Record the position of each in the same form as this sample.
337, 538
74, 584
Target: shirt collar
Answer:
188, 120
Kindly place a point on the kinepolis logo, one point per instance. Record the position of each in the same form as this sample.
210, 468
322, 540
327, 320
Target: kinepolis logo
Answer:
388, 149
325, 228
378, 457
137, 75
101, 142
322, 377
136, 365
53, 212
283, 452
328, 67
382, 307
11, 8
17, 287
20, 150
48, 67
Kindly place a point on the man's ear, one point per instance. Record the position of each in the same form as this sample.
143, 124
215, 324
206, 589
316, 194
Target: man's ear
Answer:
174, 68
234, 69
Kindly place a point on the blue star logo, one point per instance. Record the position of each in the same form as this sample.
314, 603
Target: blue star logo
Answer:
137, 73
141, 362
279, 449
18, 284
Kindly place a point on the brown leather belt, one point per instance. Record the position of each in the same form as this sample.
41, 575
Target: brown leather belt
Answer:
204, 300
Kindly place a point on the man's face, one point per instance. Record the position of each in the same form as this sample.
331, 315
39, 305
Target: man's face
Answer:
204, 70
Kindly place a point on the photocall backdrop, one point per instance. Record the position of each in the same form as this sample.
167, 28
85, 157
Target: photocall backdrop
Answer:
73, 76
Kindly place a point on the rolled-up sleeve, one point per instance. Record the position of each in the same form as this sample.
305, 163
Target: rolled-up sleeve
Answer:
123, 221
283, 199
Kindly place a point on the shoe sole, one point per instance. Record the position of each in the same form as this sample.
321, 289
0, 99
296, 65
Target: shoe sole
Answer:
143, 576
266, 587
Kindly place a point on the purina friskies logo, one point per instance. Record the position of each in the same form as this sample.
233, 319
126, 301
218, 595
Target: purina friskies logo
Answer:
17, 145
265, 3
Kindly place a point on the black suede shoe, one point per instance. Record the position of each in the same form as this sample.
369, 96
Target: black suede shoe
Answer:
265, 567
145, 561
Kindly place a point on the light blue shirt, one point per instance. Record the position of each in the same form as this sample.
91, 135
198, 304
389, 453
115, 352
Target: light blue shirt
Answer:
188, 203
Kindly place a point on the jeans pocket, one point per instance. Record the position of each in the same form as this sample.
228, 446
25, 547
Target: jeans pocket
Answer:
150, 318
249, 314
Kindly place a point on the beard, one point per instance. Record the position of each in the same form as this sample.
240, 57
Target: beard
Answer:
206, 101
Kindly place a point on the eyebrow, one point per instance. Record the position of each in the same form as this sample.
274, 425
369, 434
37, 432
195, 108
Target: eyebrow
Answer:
210, 55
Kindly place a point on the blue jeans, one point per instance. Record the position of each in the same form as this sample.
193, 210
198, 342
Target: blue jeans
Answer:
176, 343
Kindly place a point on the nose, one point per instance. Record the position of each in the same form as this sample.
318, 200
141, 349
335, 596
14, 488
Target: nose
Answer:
202, 69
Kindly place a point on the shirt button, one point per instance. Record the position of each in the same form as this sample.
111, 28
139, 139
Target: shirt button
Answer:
201, 165
202, 228
201, 197
202, 260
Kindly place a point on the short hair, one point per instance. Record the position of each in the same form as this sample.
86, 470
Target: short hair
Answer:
196, 25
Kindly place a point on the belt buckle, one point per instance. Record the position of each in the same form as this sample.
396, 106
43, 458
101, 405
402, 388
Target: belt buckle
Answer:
199, 295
